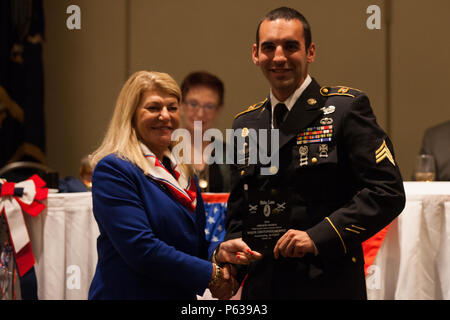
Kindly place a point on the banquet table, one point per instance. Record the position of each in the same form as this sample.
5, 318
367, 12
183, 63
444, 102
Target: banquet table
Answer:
64, 242
413, 261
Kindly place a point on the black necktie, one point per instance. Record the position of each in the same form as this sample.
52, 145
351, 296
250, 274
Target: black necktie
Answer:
278, 115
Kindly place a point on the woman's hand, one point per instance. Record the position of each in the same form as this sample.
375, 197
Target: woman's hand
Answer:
235, 251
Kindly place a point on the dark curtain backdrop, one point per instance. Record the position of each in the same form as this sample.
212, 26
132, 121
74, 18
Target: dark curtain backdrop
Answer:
22, 127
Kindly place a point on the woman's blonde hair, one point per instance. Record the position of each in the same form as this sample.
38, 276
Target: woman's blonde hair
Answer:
121, 137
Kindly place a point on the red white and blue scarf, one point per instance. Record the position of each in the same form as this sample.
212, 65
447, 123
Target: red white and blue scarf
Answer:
179, 185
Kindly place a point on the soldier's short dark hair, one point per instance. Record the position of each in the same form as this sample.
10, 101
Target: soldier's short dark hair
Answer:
203, 79
287, 14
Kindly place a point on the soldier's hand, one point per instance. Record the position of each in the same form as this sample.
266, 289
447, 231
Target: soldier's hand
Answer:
294, 244
226, 286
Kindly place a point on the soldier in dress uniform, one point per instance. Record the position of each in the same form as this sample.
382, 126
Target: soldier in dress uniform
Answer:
337, 179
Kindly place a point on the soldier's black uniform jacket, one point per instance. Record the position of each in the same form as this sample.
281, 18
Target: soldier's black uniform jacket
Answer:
342, 191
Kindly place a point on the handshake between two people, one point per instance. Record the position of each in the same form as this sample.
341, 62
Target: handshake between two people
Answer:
223, 285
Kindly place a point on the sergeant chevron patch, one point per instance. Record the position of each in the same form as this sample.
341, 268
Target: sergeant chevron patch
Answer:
383, 152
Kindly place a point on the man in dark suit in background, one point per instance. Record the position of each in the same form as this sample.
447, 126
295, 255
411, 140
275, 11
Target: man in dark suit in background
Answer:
337, 183
436, 142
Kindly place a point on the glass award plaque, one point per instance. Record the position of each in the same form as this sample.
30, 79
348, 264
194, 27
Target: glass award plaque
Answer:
266, 221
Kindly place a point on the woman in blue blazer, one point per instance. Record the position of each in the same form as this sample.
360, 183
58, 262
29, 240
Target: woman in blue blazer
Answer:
147, 204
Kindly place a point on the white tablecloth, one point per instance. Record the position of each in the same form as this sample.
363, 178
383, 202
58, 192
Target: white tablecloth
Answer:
414, 259
64, 242
413, 262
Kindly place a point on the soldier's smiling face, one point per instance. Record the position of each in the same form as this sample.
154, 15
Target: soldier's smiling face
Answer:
282, 55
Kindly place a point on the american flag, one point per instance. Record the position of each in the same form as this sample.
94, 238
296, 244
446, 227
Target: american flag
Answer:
215, 210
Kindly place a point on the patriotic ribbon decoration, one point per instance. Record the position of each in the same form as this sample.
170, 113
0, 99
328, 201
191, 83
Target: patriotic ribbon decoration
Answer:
15, 198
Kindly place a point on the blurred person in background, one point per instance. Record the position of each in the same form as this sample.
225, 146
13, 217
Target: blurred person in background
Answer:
436, 142
81, 184
86, 172
203, 101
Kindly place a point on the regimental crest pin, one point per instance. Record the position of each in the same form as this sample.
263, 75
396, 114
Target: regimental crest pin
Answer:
312, 101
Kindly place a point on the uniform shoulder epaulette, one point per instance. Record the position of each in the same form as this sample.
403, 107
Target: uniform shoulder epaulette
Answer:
339, 91
254, 107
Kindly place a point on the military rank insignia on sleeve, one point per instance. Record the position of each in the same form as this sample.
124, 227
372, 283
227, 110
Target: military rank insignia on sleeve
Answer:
383, 152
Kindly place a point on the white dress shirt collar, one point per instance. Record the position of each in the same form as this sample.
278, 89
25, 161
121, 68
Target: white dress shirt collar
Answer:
289, 102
